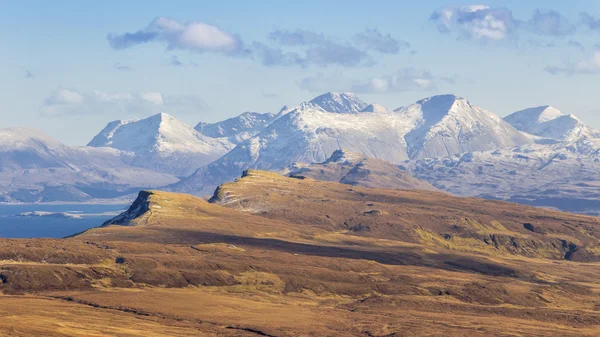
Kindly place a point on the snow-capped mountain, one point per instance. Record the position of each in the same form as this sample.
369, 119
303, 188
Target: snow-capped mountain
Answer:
306, 134
436, 126
34, 167
446, 124
344, 102
236, 129
162, 143
550, 124
562, 175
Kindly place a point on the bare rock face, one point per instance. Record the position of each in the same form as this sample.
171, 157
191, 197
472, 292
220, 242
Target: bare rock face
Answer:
139, 207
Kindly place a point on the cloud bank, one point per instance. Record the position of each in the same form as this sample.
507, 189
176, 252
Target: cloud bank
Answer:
66, 101
284, 48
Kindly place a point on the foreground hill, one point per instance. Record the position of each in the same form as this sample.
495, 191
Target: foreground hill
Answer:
277, 256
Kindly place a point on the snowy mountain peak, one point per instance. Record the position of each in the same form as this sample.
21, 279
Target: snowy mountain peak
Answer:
339, 102
525, 118
162, 142
451, 124
550, 124
237, 129
374, 108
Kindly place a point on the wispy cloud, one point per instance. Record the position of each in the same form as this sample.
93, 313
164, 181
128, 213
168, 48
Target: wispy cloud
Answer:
407, 79
485, 23
589, 21
121, 67
373, 39
68, 101
269, 95
587, 66
403, 80
286, 48
324, 82
193, 36
175, 61
476, 22
549, 23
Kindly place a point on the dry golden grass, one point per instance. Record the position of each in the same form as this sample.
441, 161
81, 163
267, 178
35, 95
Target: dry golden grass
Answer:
277, 256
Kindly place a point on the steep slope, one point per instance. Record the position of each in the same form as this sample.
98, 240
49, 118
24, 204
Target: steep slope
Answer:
35, 167
236, 129
551, 124
162, 143
562, 175
358, 170
345, 102
308, 135
447, 124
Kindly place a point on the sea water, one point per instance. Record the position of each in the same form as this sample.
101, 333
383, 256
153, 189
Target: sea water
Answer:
53, 226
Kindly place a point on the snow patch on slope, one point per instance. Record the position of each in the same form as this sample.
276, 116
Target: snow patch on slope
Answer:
551, 124
162, 143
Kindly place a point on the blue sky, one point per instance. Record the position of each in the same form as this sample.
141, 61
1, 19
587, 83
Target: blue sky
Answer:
69, 67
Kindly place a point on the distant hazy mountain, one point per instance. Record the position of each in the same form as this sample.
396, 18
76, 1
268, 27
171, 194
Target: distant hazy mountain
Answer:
162, 143
356, 169
34, 167
551, 124
562, 175
236, 129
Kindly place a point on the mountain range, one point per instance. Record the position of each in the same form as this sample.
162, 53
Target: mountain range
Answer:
445, 141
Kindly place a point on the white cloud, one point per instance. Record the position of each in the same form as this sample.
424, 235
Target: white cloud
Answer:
477, 22
102, 96
63, 96
484, 23
73, 102
590, 65
407, 79
403, 80
153, 97
193, 36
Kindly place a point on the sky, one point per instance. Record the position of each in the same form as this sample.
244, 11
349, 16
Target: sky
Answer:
70, 67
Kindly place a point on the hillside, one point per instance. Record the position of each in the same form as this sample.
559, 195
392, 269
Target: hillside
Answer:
355, 169
277, 256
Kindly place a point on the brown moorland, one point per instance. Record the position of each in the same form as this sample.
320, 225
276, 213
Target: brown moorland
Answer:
276, 256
